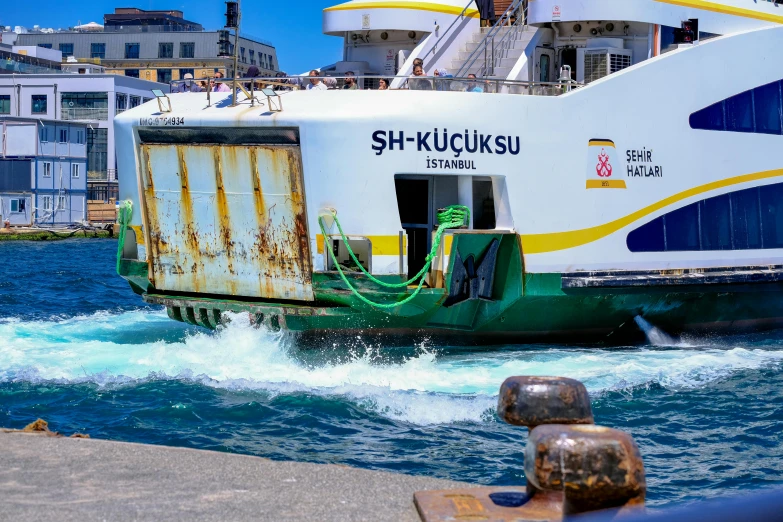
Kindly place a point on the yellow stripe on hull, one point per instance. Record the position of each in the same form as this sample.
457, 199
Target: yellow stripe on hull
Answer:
420, 6
726, 9
381, 245
551, 242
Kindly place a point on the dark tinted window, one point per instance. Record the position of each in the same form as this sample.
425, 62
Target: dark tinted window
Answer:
165, 50
186, 49
742, 220
133, 73
746, 220
768, 117
682, 229
131, 50
756, 110
98, 50
772, 215
710, 118
715, 216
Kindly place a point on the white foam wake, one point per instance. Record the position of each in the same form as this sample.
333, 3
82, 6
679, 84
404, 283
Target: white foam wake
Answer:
426, 387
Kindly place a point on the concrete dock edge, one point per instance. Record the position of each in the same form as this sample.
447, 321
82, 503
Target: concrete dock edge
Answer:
87, 479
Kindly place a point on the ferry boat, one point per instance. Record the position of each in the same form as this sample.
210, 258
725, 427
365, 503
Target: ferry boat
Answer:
602, 172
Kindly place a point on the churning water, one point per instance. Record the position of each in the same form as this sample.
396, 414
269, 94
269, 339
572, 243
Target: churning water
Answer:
78, 349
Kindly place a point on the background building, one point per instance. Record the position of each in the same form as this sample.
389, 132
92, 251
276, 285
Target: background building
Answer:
153, 45
43, 171
59, 103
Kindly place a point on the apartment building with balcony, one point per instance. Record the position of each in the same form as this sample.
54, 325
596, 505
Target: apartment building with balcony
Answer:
91, 99
158, 46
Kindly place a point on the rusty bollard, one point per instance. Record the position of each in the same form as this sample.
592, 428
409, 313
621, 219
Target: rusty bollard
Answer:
595, 467
531, 401
571, 465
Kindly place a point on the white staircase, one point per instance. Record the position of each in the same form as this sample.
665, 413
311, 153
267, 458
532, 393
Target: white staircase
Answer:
505, 60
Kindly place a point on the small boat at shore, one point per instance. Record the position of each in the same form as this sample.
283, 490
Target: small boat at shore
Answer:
591, 172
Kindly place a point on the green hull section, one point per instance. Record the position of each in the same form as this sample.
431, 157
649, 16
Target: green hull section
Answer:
582, 307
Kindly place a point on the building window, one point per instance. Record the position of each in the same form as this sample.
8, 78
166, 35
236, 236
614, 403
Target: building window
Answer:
18, 206
43, 134
39, 103
120, 102
45, 46
758, 110
85, 106
131, 51
97, 151
98, 50
183, 72
135, 101
47, 169
60, 203
63, 135
748, 219
46, 202
164, 75
75, 167
66, 49
79, 137
242, 55
165, 50
5, 104
132, 73
252, 56
187, 49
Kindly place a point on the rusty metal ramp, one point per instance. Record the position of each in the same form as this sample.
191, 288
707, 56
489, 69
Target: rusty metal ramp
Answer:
226, 218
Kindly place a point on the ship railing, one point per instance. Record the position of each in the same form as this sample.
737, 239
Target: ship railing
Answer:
494, 47
258, 86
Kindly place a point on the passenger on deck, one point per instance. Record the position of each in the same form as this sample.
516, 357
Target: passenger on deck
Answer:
315, 83
252, 72
220, 87
419, 84
188, 85
474, 86
442, 85
418, 61
383, 84
350, 81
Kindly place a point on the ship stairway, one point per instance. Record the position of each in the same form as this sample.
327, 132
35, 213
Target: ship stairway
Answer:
493, 51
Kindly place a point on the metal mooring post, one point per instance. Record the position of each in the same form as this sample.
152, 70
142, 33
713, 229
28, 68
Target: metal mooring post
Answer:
571, 465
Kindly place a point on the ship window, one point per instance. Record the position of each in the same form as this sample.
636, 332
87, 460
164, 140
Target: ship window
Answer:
739, 112
768, 104
757, 110
682, 229
742, 220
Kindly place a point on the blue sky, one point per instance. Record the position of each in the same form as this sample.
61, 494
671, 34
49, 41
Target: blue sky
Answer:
293, 27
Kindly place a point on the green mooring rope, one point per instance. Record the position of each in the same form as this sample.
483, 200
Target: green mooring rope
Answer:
453, 216
123, 218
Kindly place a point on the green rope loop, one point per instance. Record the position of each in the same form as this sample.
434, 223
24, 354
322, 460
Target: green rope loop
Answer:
453, 216
123, 219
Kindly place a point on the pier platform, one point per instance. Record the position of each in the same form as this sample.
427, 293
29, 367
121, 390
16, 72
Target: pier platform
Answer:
58, 478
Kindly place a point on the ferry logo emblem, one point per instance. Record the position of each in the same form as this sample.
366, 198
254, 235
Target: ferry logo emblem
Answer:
604, 168
601, 156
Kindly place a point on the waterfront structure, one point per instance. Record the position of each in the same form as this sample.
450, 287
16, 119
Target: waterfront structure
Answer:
159, 46
43, 171
633, 178
66, 98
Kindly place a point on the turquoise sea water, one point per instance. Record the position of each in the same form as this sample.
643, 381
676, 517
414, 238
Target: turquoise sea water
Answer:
80, 350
